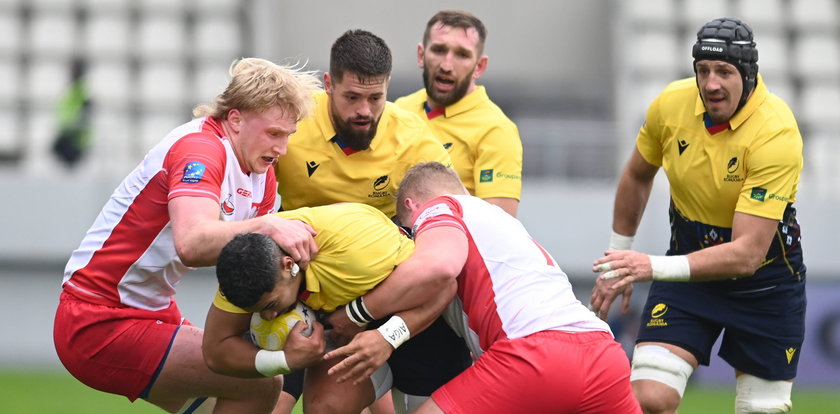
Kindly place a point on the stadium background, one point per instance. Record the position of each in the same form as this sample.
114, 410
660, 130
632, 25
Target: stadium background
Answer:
575, 76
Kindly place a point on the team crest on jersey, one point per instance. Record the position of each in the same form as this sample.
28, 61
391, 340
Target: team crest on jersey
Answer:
381, 183
380, 187
227, 205
657, 314
193, 172
732, 171
486, 176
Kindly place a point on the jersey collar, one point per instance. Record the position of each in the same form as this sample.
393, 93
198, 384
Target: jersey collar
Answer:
468, 102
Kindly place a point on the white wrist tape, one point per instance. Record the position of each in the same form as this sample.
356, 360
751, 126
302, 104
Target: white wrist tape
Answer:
357, 312
670, 268
395, 331
620, 242
271, 363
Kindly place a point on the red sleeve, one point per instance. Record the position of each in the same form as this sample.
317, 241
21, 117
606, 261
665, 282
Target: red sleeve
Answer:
196, 166
439, 211
270, 197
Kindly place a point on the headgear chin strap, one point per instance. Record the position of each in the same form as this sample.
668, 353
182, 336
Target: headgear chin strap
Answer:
731, 41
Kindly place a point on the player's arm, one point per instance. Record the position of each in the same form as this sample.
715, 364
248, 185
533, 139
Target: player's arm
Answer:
632, 194
440, 254
510, 205
227, 352
199, 235
370, 349
631, 198
425, 284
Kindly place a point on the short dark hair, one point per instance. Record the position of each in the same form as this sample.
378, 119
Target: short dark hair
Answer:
457, 18
248, 267
362, 53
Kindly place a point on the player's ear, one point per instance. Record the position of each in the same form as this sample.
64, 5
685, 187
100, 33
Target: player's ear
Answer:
234, 118
481, 66
420, 50
290, 266
327, 83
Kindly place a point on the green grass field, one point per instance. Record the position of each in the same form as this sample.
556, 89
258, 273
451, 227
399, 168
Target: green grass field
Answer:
59, 393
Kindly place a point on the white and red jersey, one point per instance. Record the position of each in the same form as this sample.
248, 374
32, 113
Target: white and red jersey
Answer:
128, 256
510, 287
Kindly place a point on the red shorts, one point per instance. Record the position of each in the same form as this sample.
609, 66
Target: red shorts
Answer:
546, 372
111, 349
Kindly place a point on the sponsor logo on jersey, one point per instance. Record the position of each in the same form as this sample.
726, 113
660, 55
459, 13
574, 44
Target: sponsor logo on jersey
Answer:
508, 176
193, 172
485, 176
732, 168
227, 205
758, 193
656, 314
311, 166
682, 145
789, 354
243, 192
774, 196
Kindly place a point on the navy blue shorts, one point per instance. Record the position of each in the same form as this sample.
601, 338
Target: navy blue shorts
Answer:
762, 330
428, 360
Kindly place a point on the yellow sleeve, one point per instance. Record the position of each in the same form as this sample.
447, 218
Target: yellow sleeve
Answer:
222, 303
497, 168
649, 141
772, 177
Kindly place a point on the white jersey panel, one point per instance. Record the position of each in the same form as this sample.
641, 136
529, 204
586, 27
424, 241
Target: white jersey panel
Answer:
529, 291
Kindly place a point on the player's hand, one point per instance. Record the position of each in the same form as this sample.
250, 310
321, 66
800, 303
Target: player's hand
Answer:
304, 350
343, 329
603, 295
627, 266
364, 355
617, 270
294, 236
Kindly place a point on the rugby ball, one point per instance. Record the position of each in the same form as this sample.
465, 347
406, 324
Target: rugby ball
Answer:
271, 334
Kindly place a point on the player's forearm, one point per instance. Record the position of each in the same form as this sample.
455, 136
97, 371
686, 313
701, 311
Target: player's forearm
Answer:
740, 257
233, 357
632, 194
420, 318
414, 282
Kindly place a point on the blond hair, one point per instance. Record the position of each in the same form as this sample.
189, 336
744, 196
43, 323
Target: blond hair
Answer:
258, 84
427, 180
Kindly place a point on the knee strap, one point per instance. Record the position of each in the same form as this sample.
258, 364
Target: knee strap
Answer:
755, 395
656, 363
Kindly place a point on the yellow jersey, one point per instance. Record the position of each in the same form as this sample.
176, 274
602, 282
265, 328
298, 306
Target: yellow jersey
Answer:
358, 247
482, 141
751, 167
316, 171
